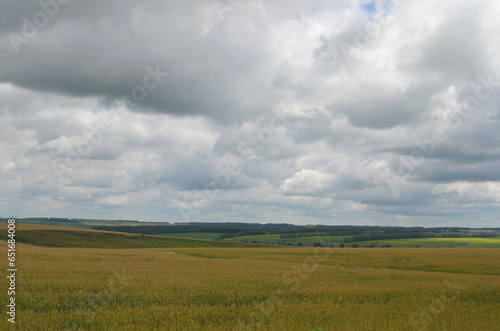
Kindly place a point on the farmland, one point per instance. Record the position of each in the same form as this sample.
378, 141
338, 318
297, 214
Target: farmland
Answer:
57, 236
192, 235
251, 288
316, 235
437, 242
338, 240
281, 234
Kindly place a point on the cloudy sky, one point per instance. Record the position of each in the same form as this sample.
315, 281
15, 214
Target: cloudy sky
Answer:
297, 111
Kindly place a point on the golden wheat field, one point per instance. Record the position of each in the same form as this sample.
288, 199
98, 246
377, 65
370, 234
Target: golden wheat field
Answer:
256, 289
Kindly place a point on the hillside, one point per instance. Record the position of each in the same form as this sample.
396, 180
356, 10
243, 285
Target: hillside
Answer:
57, 236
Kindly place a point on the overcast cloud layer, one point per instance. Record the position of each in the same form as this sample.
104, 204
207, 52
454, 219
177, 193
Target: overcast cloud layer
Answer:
297, 111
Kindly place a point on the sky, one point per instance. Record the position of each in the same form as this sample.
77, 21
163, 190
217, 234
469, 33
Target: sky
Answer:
298, 111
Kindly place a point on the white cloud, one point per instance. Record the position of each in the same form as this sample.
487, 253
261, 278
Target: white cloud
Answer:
470, 192
307, 182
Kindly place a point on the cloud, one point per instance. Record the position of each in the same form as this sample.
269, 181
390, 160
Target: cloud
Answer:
290, 111
485, 192
305, 182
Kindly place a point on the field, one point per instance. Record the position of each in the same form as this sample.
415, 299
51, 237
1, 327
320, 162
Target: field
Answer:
58, 236
336, 241
253, 288
274, 239
283, 234
437, 242
192, 235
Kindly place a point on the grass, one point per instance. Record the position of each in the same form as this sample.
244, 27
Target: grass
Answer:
275, 239
256, 289
55, 236
337, 240
55, 223
193, 235
435, 242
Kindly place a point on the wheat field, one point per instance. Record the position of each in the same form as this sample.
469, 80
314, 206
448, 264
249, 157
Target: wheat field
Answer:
256, 289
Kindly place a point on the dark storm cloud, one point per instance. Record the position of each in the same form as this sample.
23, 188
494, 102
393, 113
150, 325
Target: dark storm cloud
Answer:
220, 75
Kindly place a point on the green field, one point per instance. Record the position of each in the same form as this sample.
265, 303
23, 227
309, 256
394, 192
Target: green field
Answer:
78, 225
274, 239
193, 235
336, 241
82, 223
448, 237
435, 242
55, 236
